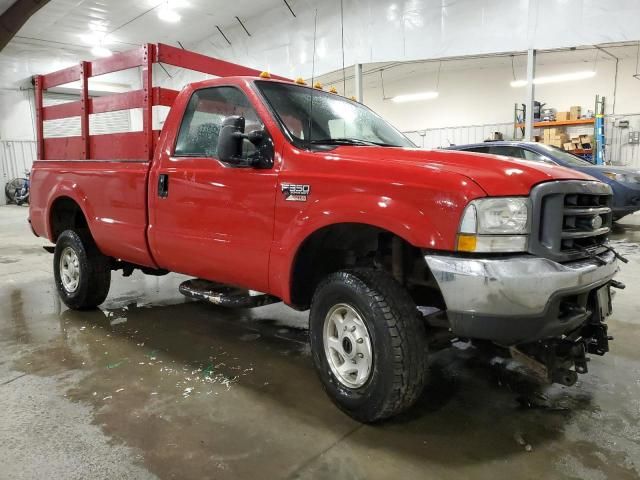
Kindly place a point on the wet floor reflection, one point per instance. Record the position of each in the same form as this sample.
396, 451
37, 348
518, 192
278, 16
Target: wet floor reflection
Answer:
193, 385
201, 391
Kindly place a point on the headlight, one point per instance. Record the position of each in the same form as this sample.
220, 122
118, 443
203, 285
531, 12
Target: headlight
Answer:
623, 177
495, 225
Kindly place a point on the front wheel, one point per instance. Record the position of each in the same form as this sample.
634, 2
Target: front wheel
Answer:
369, 344
82, 273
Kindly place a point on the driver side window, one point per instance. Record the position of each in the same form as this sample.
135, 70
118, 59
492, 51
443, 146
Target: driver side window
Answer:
203, 117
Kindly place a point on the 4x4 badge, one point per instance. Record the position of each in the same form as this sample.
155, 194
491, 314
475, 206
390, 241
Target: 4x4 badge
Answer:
295, 192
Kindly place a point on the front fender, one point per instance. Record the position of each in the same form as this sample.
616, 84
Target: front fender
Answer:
416, 225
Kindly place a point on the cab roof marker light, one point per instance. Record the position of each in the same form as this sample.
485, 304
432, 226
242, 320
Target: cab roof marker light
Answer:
565, 77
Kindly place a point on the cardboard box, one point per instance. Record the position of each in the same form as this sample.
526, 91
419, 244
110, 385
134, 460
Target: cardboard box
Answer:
569, 146
585, 139
558, 140
575, 113
562, 116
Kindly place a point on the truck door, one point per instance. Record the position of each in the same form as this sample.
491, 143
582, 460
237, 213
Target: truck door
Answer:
206, 218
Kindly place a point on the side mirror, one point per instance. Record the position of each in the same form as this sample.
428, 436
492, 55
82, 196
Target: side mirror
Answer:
230, 145
230, 139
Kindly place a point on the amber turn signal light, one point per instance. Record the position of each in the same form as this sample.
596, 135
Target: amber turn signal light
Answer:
466, 243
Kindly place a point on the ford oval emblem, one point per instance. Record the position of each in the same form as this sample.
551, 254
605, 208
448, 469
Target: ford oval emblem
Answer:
596, 222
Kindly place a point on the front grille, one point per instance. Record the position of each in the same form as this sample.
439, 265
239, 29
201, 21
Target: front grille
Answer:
585, 225
570, 219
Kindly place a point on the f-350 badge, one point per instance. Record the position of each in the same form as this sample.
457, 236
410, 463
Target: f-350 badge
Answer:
295, 192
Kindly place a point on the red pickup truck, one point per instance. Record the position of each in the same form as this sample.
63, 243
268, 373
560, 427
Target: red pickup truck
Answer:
268, 190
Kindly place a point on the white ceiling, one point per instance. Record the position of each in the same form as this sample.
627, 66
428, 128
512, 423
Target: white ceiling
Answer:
53, 37
127, 23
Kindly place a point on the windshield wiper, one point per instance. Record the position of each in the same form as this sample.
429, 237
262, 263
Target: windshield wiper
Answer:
340, 141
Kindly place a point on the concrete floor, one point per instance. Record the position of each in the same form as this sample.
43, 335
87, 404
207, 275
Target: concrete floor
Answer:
155, 386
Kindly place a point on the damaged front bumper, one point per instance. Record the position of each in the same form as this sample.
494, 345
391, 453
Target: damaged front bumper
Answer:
521, 299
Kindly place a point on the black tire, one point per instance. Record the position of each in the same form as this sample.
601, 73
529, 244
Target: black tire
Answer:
397, 336
94, 271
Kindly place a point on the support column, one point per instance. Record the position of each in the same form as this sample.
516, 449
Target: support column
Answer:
531, 73
358, 80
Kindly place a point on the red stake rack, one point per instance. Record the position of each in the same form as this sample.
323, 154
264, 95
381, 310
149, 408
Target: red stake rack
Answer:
118, 146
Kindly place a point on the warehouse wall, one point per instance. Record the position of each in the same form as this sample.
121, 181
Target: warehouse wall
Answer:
481, 96
16, 115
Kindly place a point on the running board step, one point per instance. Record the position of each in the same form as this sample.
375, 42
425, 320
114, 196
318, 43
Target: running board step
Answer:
225, 295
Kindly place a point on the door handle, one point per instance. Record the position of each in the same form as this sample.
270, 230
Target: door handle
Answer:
163, 185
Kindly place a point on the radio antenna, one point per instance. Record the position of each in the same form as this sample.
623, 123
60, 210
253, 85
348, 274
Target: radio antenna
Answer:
313, 72
344, 77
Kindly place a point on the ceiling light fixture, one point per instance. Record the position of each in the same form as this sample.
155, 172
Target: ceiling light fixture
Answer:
413, 97
167, 14
93, 38
565, 77
100, 51
97, 41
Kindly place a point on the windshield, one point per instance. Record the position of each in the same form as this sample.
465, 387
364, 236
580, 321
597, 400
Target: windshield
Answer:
330, 119
564, 156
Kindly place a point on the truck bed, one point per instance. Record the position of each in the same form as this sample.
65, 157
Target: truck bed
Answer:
107, 175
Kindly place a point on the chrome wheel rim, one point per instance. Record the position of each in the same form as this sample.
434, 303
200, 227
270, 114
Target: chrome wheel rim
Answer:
69, 270
347, 346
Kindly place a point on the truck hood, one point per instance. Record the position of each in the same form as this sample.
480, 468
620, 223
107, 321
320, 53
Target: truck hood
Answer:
496, 175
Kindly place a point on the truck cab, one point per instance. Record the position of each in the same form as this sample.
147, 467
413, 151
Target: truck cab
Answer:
289, 193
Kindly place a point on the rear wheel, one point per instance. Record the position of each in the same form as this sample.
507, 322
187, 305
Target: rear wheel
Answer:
369, 344
82, 273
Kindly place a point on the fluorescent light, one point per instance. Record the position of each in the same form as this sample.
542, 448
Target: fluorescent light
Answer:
100, 51
565, 77
166, 14
412, 97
